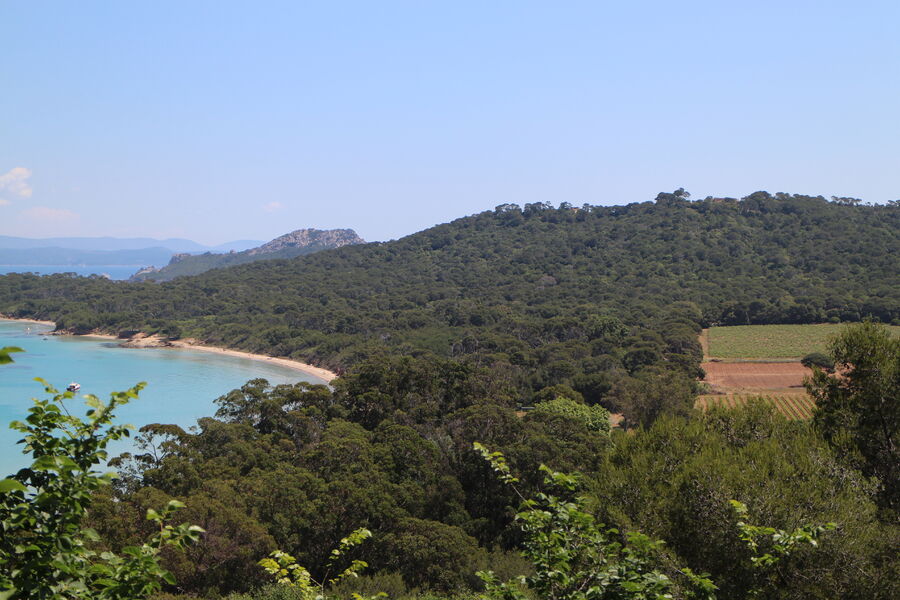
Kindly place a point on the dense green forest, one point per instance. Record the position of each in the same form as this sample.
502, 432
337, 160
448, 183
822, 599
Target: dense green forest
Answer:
566, 295
441, 336
298, 467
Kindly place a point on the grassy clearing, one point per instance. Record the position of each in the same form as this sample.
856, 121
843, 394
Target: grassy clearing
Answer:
772, 341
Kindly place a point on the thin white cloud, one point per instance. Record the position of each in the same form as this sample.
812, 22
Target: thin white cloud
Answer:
47, 214
15, 182
273, 206
3, 202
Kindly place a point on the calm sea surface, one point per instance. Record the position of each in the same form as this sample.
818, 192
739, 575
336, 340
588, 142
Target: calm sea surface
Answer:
181, 383
111, 271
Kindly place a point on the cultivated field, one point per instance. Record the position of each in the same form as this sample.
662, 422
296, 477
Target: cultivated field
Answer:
770, 341
763, 361
755, 376
792, 406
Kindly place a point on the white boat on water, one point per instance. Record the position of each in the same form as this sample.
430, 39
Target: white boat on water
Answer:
73, 387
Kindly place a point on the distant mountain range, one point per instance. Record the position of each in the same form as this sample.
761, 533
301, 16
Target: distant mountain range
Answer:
296, 243
111, 244
181, 257
68, 257
102, 251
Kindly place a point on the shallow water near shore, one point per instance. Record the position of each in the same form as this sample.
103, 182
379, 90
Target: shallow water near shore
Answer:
181, 383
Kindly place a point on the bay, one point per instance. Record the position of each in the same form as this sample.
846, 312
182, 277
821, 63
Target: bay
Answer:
181, 383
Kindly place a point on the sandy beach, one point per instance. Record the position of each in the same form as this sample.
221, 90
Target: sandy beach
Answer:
152, 341
50, 323
319, 372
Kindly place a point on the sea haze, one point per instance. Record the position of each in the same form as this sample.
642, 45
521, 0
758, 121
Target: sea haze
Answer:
115, 258
110, 271
181, 383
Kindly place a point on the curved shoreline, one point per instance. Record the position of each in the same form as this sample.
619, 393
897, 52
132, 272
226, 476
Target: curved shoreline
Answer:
144, 341
323, 374
5, 318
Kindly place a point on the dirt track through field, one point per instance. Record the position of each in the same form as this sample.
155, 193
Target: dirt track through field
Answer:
704, 343
755, 376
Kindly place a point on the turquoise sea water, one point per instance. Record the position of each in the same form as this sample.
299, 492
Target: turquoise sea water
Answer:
181, 383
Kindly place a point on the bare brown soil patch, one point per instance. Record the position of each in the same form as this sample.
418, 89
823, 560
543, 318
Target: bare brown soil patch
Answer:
755, 376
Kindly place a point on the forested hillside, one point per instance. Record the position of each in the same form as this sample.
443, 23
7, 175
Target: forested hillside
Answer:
443, 335
559, 295
390, 449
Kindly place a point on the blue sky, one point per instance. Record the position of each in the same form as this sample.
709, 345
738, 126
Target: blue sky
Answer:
219, 121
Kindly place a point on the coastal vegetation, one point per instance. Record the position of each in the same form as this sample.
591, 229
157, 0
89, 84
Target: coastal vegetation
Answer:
297, 467
575, 557
596, 298
446, 337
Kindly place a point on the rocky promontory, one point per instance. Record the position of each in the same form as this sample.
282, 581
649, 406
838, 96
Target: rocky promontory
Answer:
289, 245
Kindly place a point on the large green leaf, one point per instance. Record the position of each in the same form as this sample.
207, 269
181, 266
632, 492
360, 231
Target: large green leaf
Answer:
11, 485
5, 352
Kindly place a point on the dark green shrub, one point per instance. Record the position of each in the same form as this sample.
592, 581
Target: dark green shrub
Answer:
817, 359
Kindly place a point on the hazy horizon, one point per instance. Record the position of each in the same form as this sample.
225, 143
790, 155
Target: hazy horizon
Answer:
216, 244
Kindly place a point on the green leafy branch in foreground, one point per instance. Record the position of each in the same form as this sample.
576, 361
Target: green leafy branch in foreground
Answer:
45, 552
284, 568
769, 545
577, 558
